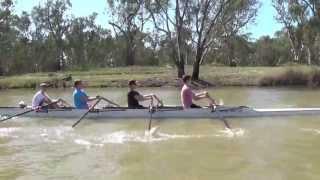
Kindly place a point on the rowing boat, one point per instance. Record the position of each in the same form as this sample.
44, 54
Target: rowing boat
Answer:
164, 112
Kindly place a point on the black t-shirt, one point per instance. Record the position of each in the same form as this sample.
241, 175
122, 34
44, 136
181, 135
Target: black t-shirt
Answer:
133, 103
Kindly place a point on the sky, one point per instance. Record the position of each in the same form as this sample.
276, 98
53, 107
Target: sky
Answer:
265, 22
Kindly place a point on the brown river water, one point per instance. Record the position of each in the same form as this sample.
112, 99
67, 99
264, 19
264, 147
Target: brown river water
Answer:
256, 149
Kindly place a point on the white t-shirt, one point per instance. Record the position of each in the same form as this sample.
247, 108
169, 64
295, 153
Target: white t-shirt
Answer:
38, 99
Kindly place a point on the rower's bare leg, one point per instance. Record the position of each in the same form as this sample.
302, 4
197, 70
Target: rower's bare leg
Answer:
212, 101
53, 106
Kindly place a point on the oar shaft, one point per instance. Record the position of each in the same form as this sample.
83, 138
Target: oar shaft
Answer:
150, 121
225, 122
151, 111
84, 115
109, 101
28, 111
2, 120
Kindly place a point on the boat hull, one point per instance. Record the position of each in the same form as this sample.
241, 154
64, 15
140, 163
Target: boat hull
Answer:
124, 113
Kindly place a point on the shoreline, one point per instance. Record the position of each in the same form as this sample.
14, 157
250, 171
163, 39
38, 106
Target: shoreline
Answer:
148, 76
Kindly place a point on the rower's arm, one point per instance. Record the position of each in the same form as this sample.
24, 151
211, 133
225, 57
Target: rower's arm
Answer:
92, 98
143, 97
151, 96
196, 97
203, 95
47, 98
87, 98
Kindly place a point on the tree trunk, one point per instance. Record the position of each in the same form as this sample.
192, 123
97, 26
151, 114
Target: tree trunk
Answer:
60, 60
309, 56
130, 56
180, 67
230, 54
196, 71
60, 57
196, 64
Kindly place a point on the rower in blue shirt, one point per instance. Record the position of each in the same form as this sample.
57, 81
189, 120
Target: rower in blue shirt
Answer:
80, 98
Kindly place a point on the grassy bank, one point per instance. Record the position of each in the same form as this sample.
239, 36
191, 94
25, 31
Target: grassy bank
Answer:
166, 76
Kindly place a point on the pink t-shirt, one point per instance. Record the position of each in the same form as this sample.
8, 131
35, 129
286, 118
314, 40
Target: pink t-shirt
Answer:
186, 96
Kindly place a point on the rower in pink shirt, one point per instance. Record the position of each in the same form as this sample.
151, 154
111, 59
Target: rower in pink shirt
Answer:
187, 95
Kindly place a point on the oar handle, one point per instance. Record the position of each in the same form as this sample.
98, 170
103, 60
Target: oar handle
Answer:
84, 115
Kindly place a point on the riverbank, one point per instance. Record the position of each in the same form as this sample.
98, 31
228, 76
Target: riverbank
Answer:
166, 76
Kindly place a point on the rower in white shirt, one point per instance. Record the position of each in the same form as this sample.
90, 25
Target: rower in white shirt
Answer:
41, 98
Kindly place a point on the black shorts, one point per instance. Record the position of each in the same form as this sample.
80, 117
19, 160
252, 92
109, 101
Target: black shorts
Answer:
194, 106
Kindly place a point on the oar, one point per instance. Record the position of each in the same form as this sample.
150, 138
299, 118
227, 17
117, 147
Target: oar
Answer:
31, 110
109, 101
225, 122
151, 111
84, 115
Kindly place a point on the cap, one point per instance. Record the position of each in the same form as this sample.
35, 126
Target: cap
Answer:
43, 85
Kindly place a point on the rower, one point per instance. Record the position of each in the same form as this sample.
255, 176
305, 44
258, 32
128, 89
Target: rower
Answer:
187, 96
41, 98
80, 97
134, 97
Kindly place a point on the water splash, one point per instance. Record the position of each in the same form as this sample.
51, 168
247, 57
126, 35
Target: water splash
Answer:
66, 134
9, 132
122, 137
232, 133
87, 143
314, 131
56, 134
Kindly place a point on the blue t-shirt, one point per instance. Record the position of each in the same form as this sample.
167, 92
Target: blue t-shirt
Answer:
79, 99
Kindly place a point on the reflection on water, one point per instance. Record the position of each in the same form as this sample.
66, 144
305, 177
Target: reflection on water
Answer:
260, 148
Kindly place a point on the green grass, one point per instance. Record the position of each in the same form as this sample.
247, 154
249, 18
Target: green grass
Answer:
159, 76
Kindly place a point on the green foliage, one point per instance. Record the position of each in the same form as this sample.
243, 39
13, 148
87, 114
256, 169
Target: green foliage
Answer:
50, 38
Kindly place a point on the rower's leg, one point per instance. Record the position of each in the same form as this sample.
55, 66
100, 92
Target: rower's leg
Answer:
212, 101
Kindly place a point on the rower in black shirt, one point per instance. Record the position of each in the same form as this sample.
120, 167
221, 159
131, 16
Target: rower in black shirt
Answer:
134, 97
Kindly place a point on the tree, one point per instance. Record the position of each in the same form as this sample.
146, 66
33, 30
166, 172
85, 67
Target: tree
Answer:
300, 18
213, 21
128, 20
54, 20
171, 18
7, 35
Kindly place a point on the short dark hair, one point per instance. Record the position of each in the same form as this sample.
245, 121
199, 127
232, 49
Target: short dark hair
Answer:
186, 78
77, 82
132, 82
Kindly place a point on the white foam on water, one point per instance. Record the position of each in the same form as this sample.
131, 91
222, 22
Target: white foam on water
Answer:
315, 131
8, 132
62, 134
121, 137
231, 133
